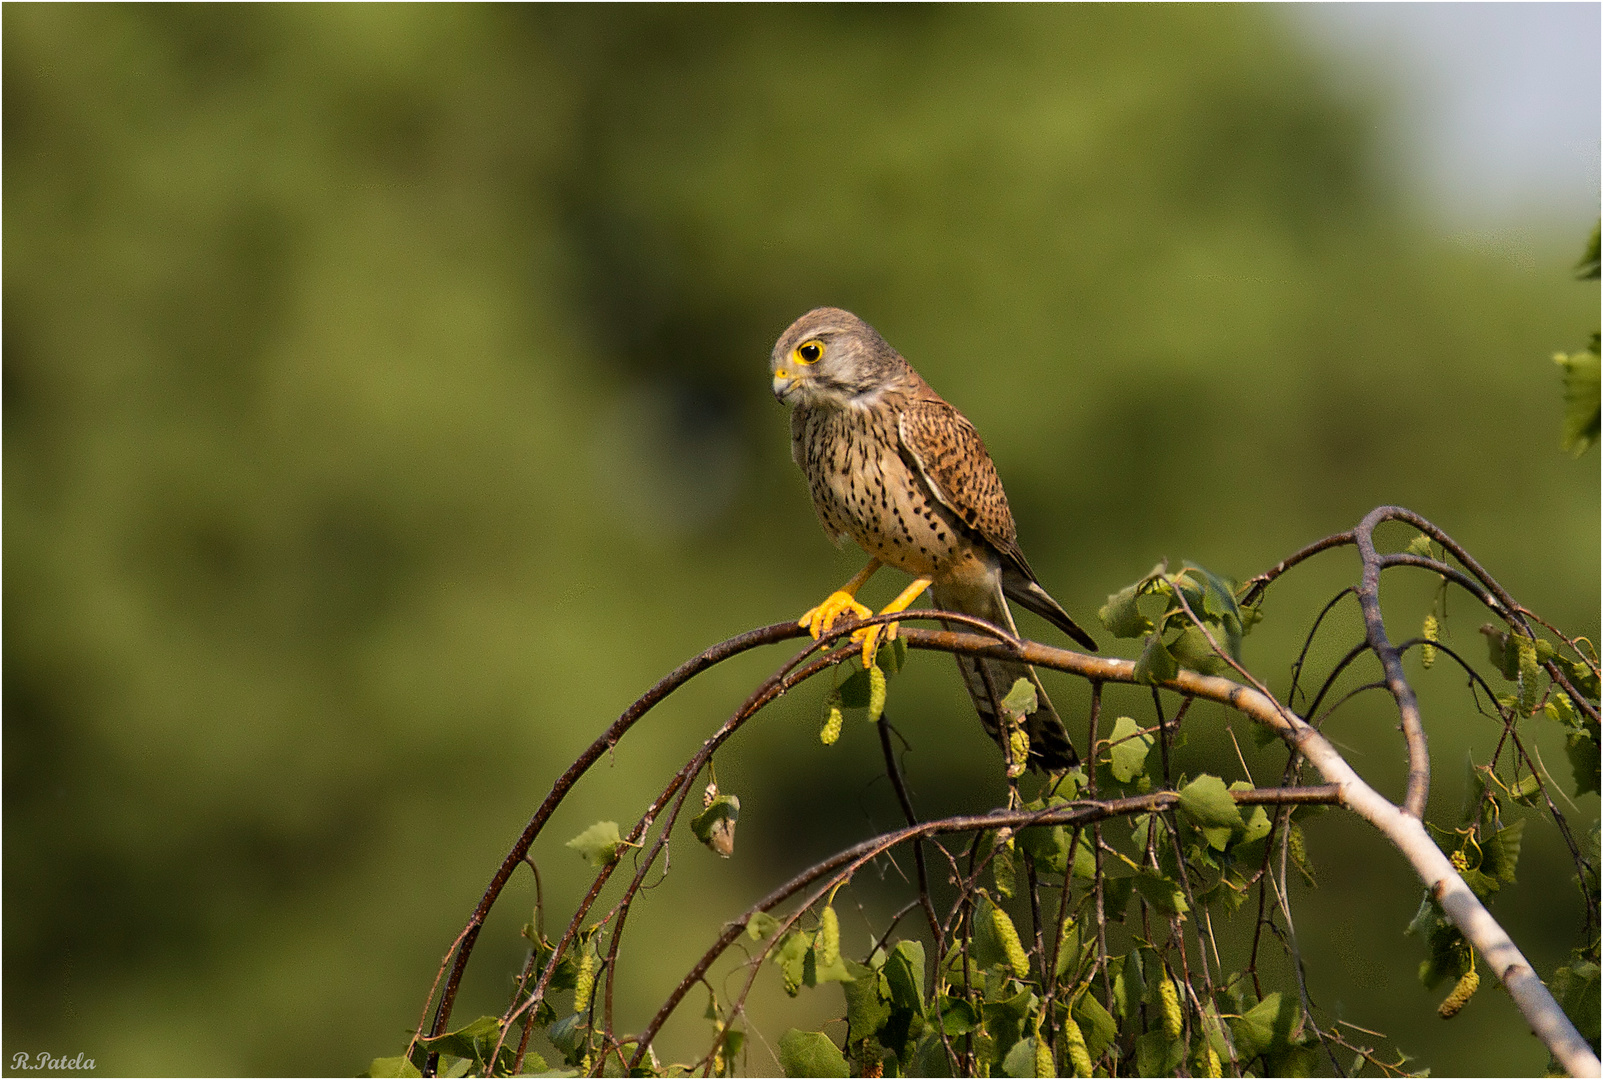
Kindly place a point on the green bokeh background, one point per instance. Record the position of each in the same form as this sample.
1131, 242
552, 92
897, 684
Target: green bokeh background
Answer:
386, 408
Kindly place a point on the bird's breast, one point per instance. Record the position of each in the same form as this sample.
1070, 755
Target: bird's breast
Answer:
864, 489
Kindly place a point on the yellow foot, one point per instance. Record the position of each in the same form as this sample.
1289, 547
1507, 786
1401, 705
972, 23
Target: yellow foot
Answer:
821, 618
869, 637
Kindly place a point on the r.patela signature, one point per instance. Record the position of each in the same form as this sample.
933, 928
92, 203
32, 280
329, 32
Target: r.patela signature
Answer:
44, 1060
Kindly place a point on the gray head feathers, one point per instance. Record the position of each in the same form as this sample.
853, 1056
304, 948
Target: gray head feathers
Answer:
831, 355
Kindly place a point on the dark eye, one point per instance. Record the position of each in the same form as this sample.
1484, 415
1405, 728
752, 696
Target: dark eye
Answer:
808, 352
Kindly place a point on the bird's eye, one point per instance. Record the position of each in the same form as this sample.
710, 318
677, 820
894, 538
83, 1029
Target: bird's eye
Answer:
808, 352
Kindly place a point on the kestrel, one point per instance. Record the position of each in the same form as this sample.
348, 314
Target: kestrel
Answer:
894, 467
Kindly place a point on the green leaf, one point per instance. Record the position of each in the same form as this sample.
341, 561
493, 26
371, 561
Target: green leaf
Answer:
958, 1016
930, 1058
1004, 868
867, 1002
1085, 862
1096, 1024
715, 826
891, 658
1192, 650
1265, 1027
1587, 268
474, 1042
1583, 754
1500, 852
1419, 545
791, 956
1071, 949
1293, 1061
1575, 986
1128, 749
1530, 680
810, 1053
904, 975
1560, 708
393, 1066
760, 925
1158, 1055
1524, 792
1474, 790
986, 948
1129, 987
1005, 1020
1580, 674
1219, 606
819, 969
1482, 885
900, 1033
1258, 823
1155, 664
599, 843
1020, 1060
1213, 1030
1207, 801
1122, 616
1047, 845
1138, 834
569, 1035
1116, 896
1581, 400
1161, 893
1020, 700
1503, 658
1445, 951
855, 691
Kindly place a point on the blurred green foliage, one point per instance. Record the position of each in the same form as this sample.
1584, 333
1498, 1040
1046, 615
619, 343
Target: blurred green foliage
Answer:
386, 407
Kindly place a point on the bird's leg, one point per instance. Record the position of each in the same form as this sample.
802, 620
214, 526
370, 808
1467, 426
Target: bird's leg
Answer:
869, 635
819, 619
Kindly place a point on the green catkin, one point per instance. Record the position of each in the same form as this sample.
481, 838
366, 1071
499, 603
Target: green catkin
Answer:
1044, 1065
1017, 959
1074, 1041
1018, 743
1173, 1020
876, 694
1211, 1066
1298, 852
827, 943
1461, 994
585, 981
1427, 652
1004, 869
1530, 675
832, 725
1459, 860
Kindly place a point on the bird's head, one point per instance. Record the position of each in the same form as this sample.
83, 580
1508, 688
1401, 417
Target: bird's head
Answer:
829, 357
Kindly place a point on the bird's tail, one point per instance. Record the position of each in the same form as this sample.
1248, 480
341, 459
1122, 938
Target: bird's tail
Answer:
988, 682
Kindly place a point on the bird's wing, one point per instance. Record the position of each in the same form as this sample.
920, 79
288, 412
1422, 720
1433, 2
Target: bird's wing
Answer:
946, 450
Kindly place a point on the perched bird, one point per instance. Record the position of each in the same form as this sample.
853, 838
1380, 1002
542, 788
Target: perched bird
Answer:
895, 468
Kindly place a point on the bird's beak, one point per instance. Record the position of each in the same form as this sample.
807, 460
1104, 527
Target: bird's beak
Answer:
784, 384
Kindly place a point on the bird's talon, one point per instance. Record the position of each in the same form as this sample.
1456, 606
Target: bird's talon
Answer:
870, 637
821, 618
